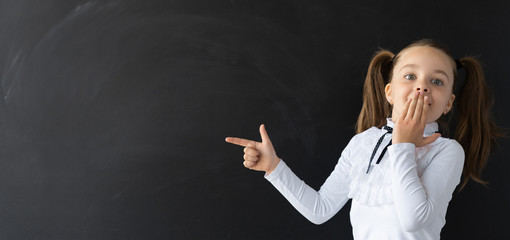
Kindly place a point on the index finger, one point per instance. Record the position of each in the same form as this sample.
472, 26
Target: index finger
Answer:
425, 110
239, 141
419, 108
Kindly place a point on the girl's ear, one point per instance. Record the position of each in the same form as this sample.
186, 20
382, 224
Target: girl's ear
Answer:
387, 90
449, 105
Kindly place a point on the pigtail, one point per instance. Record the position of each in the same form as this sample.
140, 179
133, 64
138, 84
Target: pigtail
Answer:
476, 130
375, 108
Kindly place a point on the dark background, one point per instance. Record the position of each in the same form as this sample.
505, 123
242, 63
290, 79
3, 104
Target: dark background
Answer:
113, 114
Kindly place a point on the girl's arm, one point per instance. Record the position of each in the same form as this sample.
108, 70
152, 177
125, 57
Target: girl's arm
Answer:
317, 207
418, 200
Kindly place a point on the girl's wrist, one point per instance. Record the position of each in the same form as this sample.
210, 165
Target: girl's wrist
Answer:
273, 165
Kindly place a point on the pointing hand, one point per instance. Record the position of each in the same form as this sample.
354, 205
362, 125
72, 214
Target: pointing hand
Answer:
259, 156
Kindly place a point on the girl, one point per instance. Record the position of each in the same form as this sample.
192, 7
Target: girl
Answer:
398, 171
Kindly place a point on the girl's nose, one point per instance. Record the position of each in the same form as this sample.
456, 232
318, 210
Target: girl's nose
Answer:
422, 90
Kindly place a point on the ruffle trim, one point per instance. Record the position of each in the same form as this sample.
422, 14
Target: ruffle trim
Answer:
374, 188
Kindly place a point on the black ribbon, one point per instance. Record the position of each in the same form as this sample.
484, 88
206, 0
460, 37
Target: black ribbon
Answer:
389, 130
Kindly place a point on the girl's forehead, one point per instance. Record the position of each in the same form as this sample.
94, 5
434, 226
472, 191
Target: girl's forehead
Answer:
425, 55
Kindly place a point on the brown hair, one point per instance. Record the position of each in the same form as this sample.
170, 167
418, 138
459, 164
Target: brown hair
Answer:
476, 130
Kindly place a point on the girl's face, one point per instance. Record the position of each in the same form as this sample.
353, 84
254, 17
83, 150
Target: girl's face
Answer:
423, 69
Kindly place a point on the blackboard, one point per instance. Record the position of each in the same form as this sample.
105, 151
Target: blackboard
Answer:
114, 113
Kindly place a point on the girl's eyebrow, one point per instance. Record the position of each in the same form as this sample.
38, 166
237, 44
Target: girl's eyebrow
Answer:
436, 71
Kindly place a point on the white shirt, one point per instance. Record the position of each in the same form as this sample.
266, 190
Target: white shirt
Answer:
405, 196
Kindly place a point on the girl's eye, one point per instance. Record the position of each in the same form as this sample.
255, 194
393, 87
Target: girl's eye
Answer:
437, 82
410, 77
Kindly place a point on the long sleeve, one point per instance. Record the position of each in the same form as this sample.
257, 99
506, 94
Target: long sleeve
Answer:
419, 199
316, 206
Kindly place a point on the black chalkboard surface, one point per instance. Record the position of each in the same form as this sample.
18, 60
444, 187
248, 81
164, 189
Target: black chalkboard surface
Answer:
114, 113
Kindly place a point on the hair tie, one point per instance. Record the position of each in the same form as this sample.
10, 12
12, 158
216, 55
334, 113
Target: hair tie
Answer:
458, 63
